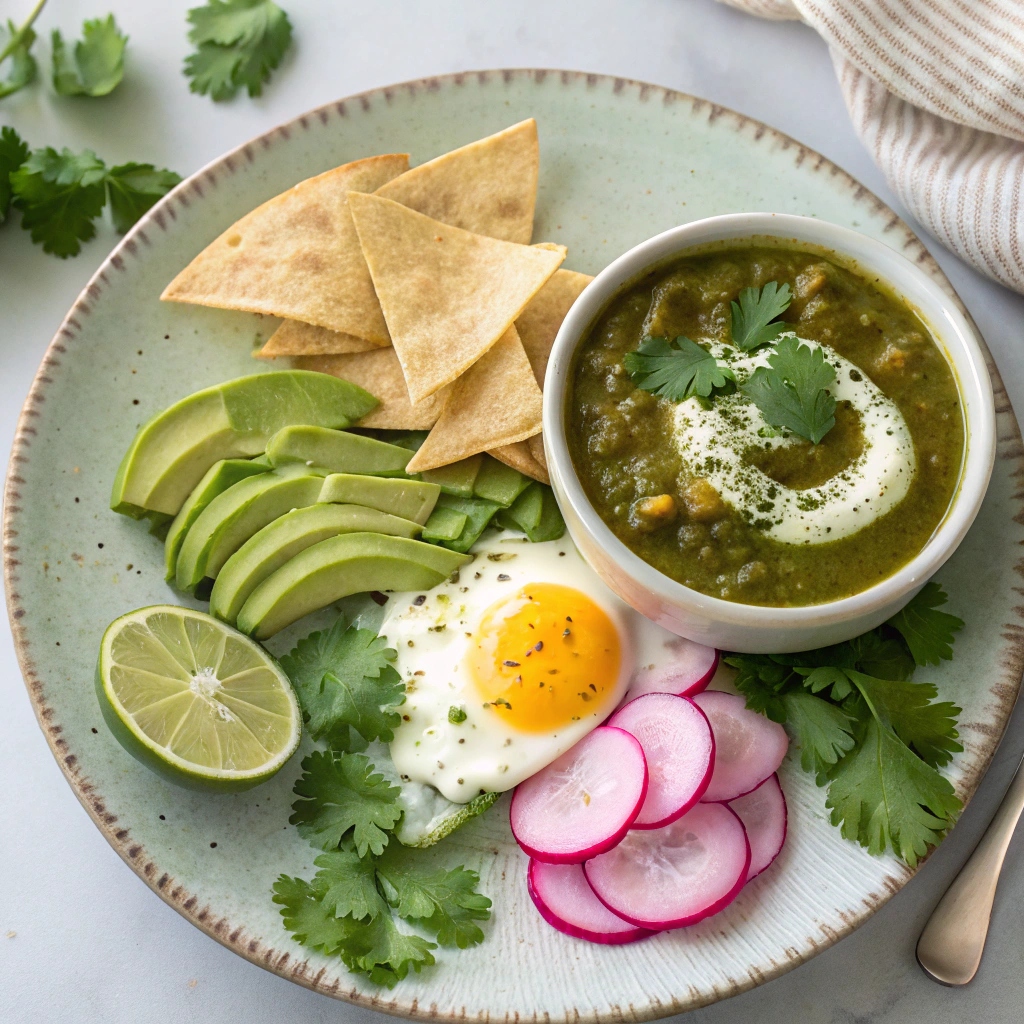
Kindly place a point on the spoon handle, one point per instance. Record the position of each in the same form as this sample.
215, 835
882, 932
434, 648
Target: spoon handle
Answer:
953, 940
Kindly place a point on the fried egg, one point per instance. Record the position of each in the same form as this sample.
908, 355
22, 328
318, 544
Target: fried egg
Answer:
510, 665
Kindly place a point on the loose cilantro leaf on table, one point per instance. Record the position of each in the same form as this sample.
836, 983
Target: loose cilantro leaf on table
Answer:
13, 153
17, 65
791, 391
133, 188
752, 316
675, 370
96, 66
346, 685
239, 42
874, 740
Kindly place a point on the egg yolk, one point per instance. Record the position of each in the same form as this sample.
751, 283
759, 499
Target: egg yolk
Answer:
545, 657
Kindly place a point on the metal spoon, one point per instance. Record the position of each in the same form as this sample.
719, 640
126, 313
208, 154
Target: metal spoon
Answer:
953, 940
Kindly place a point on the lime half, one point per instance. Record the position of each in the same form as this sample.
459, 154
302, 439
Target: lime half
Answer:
195, 700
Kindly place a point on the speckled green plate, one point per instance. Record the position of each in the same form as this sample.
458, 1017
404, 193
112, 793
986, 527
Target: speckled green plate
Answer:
72, 565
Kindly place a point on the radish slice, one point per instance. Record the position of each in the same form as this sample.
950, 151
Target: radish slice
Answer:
689, 672
680, 753
763, 813
566, 902
676, 875
748, 746
583, 803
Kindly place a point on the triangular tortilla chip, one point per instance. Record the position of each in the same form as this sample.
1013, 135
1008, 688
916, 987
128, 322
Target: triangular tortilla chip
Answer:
518, 457
380, 373
294, 338
488, 187
495, 402
539, 322
297, 256
536, 446
447, 294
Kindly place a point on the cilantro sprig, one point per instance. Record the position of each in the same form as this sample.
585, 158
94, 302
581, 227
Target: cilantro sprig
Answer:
238, 44
792, 391
752, 316
876, 741
676, 369
95, 66
17, 65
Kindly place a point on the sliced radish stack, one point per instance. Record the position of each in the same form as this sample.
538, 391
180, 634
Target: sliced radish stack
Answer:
689, 672
583, 803
748, 747
565, 900
679, 749
763, 813
676, 875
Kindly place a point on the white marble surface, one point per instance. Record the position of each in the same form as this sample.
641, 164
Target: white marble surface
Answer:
81, 938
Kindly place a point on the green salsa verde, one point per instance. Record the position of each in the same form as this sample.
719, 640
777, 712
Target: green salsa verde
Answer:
654, 491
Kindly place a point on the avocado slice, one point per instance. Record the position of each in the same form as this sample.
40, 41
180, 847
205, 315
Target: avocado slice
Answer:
266, 551
171, 453
498, 482
234, 516
334, 568
444, 524
219, 477
336, 451
478, 513
408, 499
457, 478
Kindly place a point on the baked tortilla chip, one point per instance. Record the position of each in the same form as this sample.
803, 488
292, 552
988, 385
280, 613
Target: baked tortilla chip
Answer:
294, 338
488, 187
536, 446
297, 256
447, 294
518, 457
495, 402
379, 373
539, 322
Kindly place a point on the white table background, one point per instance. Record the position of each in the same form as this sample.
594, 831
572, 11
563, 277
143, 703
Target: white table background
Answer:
81, 937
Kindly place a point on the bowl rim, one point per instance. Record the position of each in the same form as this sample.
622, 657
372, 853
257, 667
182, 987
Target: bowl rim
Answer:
974, 385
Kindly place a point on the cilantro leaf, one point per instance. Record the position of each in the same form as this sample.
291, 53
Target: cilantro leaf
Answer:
823, 731
446, 903
346, 683
349, 884
385, 953
928, 632
13, 153
343, 792
827, 676
881, 653
752, 315
60, 195
308, 918
791, 391
97, 65
675, 370
15, 47
761, 680
239, 42
883, 795
134, 188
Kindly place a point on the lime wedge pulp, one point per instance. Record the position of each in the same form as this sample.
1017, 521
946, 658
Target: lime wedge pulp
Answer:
195, 700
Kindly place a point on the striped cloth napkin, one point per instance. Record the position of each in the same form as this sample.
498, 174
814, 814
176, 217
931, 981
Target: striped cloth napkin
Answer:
935, 89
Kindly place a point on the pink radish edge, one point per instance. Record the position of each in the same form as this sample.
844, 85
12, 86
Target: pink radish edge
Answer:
546, 808
765, 816
679, 747
565, 900
688, 673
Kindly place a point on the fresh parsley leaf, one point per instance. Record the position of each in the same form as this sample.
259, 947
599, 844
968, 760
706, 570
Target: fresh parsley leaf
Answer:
349, 884
346, 684
97, 65
883, 795
13, 153
752, 315
823, 732
675, 370
134, 188
239, 42
60, 195
309, 919
445, 903
343, 792
791, 391
927, 632
15, 52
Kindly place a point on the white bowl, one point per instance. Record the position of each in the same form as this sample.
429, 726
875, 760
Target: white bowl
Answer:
754, 628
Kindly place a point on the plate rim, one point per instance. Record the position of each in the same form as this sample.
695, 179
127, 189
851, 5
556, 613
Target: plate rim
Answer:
134, 244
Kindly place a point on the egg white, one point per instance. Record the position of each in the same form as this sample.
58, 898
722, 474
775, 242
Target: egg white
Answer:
432, 634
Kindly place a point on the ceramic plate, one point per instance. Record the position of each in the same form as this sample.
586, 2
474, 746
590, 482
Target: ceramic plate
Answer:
620, 161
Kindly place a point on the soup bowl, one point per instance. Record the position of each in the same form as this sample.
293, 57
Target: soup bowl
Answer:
752, 628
